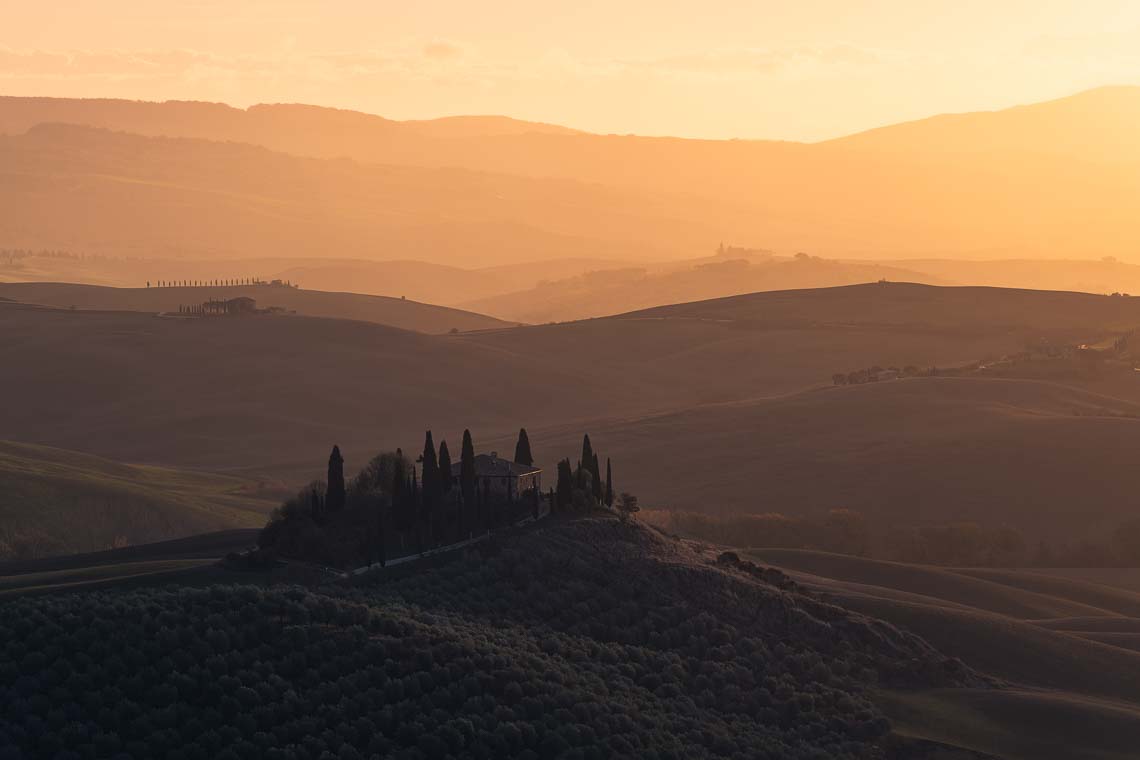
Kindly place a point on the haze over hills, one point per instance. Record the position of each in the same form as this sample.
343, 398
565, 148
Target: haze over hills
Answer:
1025, 183
729, 411
395, 312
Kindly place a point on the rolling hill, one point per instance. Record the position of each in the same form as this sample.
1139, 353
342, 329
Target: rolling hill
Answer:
256, 392
582, 636
731, 409
394, 312
83, 189
54, 501
1071, 692
1050, 460
607, 291
1035, 181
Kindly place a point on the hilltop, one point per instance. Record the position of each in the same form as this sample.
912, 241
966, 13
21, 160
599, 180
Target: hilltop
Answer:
577, 638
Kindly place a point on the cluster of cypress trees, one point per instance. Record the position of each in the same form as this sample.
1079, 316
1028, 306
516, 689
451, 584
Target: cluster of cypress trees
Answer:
582, 486
397, 503
420, 500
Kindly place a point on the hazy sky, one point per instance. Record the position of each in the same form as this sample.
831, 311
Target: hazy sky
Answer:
803, 69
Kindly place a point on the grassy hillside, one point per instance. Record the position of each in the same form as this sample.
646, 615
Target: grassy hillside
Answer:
396, 312
586, 638
1074, 690
61, 502
1050, 460
258, 392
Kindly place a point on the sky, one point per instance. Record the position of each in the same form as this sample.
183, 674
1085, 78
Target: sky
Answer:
805, 70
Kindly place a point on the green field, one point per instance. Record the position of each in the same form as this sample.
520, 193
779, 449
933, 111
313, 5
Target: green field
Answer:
54, 501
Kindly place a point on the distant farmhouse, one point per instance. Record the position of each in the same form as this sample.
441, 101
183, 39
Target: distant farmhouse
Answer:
239, 305
502, 477
229, 307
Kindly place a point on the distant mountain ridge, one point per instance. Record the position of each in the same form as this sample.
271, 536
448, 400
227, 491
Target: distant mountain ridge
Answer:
1050, 180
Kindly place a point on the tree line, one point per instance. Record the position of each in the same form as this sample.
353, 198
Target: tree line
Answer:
210, 283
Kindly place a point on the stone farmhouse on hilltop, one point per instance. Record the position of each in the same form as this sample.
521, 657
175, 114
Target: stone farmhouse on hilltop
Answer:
502, 477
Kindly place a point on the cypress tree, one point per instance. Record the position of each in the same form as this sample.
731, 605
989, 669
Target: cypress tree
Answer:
430, 486
449, 514
444, 467
609, 484
467, 469
595, 470
587, 451
399, 497
564, 490
334, 496
522, 449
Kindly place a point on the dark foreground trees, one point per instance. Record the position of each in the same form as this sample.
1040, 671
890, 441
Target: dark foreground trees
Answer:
532, 651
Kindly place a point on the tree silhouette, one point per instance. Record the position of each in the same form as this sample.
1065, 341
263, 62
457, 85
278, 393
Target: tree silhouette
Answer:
467, 483
564, 490
334, 497
429, 484
444, 467
587, 452
609, 499
522, 449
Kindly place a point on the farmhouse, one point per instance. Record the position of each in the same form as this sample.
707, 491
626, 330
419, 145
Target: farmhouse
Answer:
502, 477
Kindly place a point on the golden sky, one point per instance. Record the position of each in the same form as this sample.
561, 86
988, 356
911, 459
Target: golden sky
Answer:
803, 70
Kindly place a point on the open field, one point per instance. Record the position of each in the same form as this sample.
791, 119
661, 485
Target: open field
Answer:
1052, 460
54, 501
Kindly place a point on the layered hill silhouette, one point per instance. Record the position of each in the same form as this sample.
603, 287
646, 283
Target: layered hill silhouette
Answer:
395, 312
1052, 179
732, 408
1055, 641
79, 188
